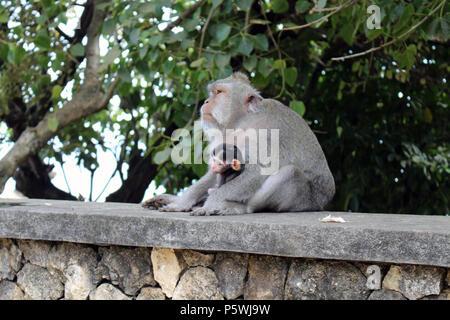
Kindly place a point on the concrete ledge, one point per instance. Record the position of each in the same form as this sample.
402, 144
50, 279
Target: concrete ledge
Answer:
408, 239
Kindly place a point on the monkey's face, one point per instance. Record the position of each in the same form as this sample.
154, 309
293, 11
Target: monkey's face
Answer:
219, 166
217, 106
229, 100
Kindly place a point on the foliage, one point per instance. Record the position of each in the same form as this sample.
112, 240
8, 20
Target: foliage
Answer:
381, 118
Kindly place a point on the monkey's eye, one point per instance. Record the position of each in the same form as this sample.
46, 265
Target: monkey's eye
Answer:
217, 91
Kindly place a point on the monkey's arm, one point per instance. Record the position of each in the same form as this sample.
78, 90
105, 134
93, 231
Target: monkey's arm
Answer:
220, 179
231, 197
192, 195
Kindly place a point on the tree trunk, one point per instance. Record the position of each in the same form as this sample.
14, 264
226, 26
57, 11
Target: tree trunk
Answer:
33, 181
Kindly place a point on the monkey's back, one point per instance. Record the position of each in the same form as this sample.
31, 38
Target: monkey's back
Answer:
298, 144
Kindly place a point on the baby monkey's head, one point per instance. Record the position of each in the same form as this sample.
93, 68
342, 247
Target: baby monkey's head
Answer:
225, 157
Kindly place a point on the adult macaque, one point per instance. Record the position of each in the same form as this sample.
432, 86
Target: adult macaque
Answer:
303, 181
226, 163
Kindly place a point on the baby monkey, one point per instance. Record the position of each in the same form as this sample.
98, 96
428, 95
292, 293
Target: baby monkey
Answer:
226, 163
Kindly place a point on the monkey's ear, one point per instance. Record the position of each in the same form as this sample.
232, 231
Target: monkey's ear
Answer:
236, 165
252, 102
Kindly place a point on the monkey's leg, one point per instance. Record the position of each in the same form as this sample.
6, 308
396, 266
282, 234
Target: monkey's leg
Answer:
288, 190
192, 195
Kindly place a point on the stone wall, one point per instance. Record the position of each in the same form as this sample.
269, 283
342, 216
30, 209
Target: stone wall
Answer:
31, 269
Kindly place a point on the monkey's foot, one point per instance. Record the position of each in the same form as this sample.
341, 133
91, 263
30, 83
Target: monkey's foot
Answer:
204, 212
219, 212
173, 207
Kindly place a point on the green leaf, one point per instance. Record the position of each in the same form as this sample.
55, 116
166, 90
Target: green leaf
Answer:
4, 16
42, 19
155, 40
346, 33
53, 124
280, 6
135, 36
162, 156
244, 4
298, 106
264, 67
77, 50
124, 74
43, 42
46, 3
245, 46
222, 32
143, 51
260, 42
321, 4
313, 17
355, 66
216, 3
406, 58
302, 6
109, 26
279, 64
291, 76
112, 55
438, 29
56, 91
197, 63
372, 34
222, 60
142, 68
52, 11
43, 60
408, 12
168, 66
250, 63
19, 54
339, 131
190, 24
4, 48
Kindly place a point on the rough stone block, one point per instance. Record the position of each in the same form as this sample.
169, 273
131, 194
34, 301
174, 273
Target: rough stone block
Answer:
385, 294
10, 257
414, 282
167, 268
10, 291
39, 284
323, 280
150, 293
129, 268
198, 283
231, 270
266, 277
195, 258
107, 291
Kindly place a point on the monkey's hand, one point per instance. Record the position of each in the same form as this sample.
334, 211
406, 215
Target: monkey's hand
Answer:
159, 201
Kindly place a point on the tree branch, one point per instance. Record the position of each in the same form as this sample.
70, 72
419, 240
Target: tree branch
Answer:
336, 10
183, 16
393, 40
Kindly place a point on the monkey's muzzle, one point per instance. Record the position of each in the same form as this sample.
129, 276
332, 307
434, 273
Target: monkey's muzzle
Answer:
208, 116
